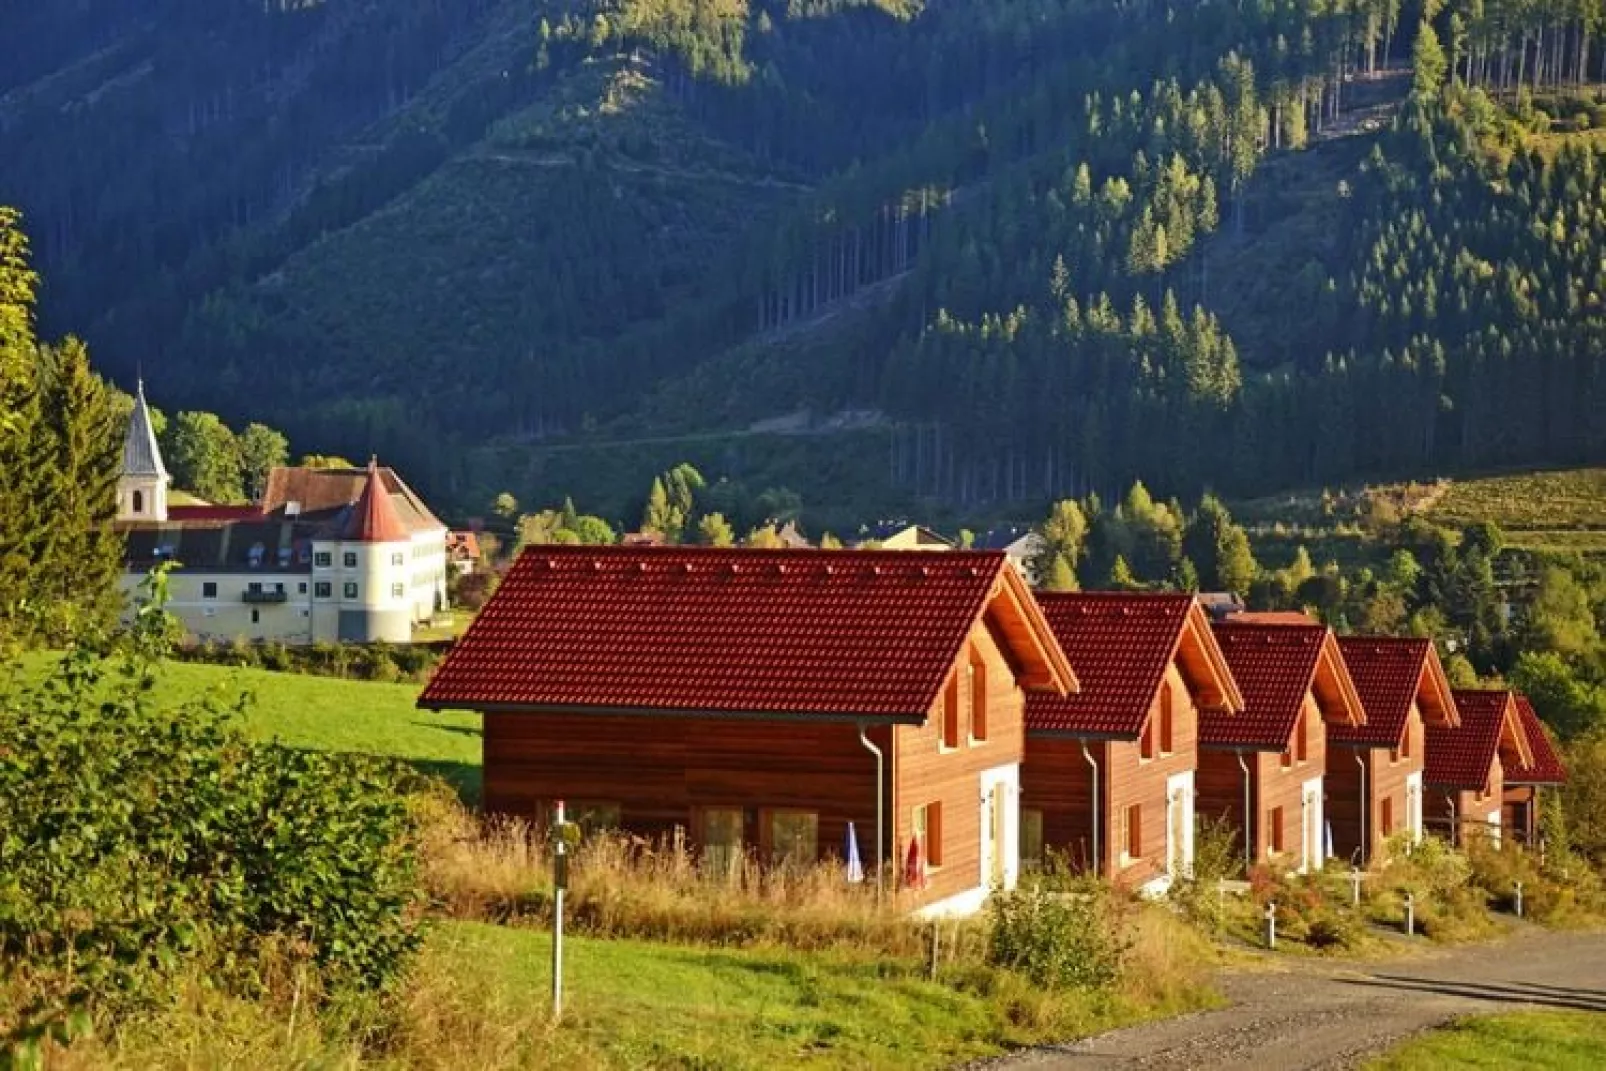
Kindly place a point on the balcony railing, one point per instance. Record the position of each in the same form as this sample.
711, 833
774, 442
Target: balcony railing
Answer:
272, 595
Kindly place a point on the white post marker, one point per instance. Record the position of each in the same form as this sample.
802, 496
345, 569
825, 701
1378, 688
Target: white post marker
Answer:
1355, 886
1271, 926
1519, 899
560, 881
1410, 915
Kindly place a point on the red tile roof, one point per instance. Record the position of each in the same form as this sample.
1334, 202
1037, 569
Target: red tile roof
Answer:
1461, 757
1275, 666
374, 519
1388, 673
1120, 644
1272, 617
213, 513
841, 634
1547, 768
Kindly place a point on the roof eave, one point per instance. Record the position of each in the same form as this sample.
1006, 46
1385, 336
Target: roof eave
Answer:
426, 703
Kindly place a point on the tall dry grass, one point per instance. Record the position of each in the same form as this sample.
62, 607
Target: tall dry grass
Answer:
621, 886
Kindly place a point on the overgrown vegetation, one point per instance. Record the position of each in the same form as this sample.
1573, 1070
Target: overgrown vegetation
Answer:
144, 843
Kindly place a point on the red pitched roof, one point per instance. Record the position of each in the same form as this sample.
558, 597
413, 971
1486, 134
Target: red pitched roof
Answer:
1275, 666
213, 513
374, 519
1120, 644
842, 634
1461, 757
1547, 767
1388, 673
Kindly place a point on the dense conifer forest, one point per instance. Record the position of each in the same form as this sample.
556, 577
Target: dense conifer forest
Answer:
1039, 247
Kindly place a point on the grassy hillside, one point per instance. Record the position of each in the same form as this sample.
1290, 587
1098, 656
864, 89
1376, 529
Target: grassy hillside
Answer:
328, 714
1537, 1040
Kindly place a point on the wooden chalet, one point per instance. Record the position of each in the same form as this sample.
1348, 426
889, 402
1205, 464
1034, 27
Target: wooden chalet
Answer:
1375, 771
1468, 766
1263, 769
1109, 772
1520, 809
757, 702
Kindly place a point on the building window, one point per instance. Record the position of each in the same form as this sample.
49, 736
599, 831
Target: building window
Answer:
398, 558
794, 837
1031, 836
209, 589
139, 501
978, 700
398, 591
1302, 737
594, 816
301, 588
321, 559
722, 839
254, 587
1165, 718
1132, 832
322, 590
351, 559
950, 714
1385, 819
1146, 742
926, 826
256, 616
1274, 826
350, 589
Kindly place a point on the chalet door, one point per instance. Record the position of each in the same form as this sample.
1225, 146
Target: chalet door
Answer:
996, 822
1179, 825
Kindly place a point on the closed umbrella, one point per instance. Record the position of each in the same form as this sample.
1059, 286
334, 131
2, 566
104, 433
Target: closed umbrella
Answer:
855, 865
914, 869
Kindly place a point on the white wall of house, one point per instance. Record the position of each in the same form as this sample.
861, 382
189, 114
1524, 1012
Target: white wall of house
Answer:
214, 606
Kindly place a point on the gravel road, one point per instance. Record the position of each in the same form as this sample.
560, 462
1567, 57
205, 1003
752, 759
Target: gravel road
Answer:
1288, 1013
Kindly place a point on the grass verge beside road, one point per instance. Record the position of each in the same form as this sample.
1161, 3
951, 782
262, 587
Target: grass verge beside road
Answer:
1535, 1041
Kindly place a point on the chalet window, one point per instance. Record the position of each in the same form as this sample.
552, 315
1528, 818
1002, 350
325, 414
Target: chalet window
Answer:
978, 700
794, 837
927, 828
1302, 737
209, 590
722, 839
351, 559
321, 559
301, 588
322, 589
1132, 832
1287, 758
594, 816
950, 714
350, 589
1165, 718
1146, 743
1274, 826
1385, 819
1031, 837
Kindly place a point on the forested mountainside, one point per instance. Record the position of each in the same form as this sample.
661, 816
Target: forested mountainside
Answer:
1036, 246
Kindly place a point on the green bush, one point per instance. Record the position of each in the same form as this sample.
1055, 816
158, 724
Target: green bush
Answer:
1058, 939
137, 839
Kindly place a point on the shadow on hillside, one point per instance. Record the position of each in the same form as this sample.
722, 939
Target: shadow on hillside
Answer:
464, 778
1588, 1000
461, 730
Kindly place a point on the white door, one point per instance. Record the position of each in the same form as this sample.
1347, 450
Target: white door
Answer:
1311, 853
1179, 825
1000, 848
1413, 806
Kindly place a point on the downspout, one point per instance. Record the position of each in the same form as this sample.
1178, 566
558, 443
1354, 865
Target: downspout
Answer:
1098, 860
1365, 805
1249, 836
880, 802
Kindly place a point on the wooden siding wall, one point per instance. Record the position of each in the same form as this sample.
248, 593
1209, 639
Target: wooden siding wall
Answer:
1519, 816
1221, 787
1385, 780
661, 770
923, 773
1129, 780
1057, 780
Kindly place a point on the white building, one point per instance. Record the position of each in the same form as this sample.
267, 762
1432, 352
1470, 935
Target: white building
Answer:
347, 554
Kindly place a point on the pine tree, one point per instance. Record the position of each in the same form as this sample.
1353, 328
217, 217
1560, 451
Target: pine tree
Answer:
1121, 578
1427, 62
1060, 576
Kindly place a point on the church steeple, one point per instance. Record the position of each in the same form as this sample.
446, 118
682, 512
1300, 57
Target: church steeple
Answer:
142, 483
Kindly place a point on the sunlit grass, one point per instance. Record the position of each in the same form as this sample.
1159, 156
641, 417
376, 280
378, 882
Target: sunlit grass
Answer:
1534, 1041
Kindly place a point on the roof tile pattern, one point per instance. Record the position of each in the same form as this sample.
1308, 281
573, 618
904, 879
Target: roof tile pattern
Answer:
1120, 644
832, 633
1547, 768
327, 495
1387, 671
1275, 667
1460, 758
374, 519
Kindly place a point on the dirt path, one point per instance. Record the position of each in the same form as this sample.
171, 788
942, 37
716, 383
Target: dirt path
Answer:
1314, 1014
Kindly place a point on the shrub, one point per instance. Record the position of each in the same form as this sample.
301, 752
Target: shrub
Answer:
1059, 940
138, 838
1217, 856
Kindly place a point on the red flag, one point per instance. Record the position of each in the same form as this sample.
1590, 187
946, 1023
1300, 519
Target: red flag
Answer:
914, 870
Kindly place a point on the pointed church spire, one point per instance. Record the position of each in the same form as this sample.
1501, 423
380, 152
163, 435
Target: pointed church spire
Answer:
141, 455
